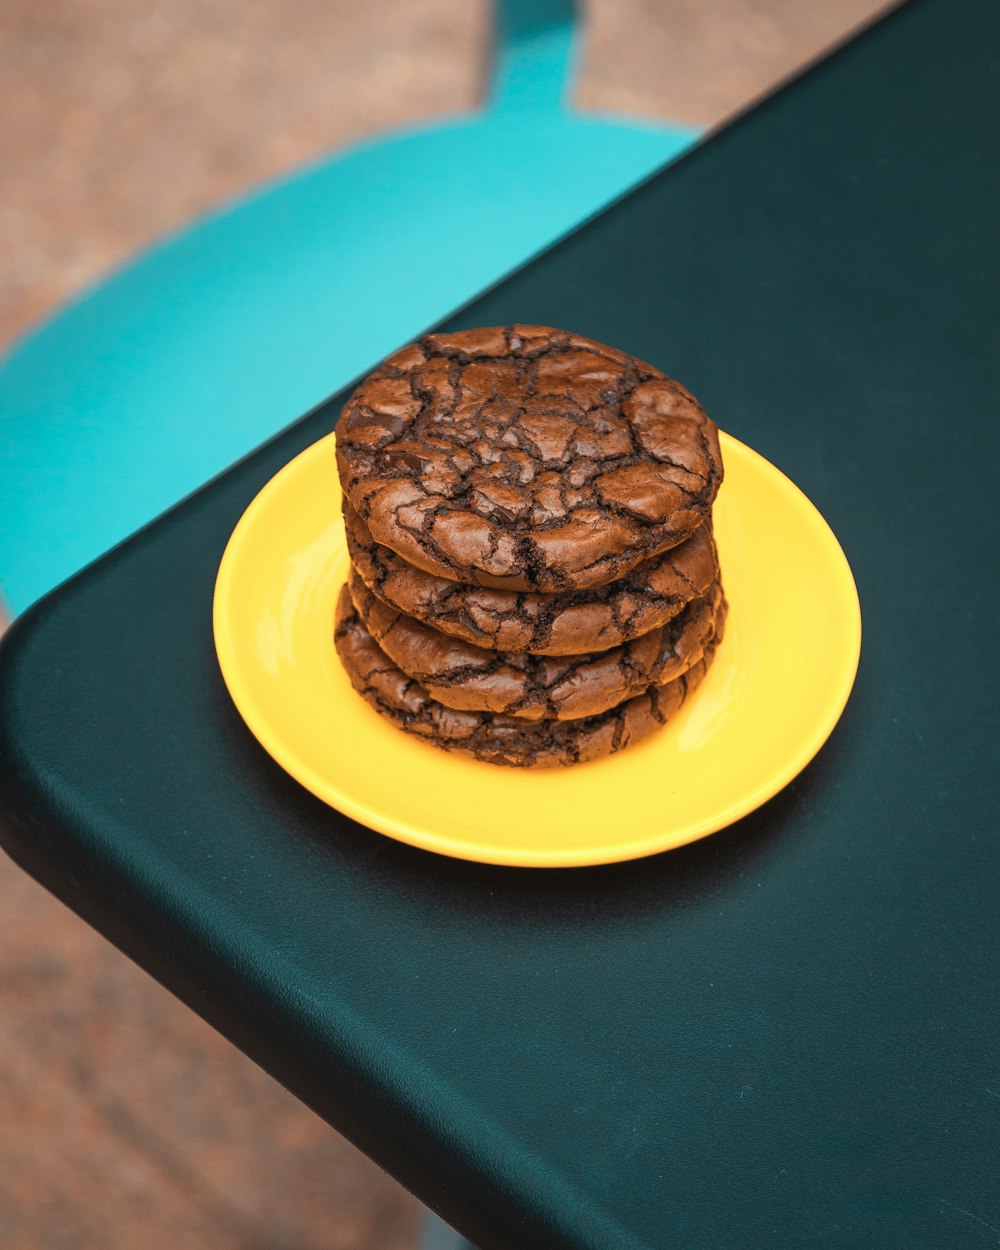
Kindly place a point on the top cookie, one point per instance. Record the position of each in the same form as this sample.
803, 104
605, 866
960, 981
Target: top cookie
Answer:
526, 458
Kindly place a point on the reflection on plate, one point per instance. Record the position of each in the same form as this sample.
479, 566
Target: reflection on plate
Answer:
777, 688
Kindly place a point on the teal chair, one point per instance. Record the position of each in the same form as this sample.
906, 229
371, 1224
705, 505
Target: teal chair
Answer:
175, 366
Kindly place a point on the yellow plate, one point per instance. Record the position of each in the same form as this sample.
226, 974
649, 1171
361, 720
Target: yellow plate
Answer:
777, 688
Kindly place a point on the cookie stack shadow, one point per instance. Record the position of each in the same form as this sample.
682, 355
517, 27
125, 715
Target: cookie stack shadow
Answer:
534, 579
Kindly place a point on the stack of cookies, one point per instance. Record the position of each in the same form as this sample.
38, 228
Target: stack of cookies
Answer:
533, 575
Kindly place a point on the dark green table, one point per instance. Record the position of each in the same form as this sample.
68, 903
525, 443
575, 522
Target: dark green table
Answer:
782, 1036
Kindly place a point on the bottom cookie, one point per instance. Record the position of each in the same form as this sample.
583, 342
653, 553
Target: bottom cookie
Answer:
493, 737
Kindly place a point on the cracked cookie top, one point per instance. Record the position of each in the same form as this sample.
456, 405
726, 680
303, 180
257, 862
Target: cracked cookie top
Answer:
526, 458
563, 623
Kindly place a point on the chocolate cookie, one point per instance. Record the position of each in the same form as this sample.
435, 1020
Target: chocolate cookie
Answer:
526, 458
565, 623
498, 739
536, 687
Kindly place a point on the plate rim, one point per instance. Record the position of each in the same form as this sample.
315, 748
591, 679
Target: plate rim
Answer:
306, 775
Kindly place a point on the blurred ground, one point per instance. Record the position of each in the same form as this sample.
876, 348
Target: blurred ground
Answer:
126, 1122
